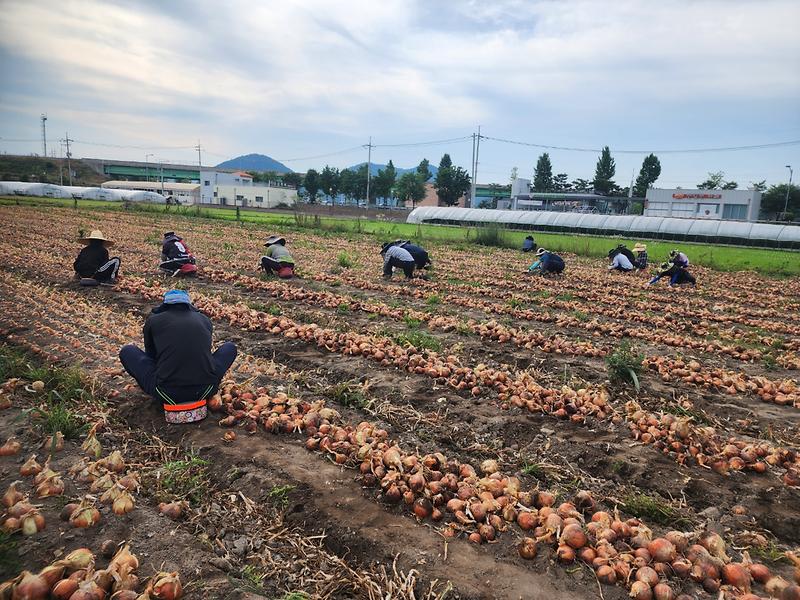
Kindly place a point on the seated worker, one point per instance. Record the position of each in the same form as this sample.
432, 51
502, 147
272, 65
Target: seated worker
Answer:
549, 263
418, 253
679, 259
395, 256
93, 266
276, 259
175, 254
641, 256
528, 244
677, 275
177, 367
620, 262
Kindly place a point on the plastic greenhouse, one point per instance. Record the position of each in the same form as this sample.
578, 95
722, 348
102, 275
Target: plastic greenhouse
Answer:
742, 233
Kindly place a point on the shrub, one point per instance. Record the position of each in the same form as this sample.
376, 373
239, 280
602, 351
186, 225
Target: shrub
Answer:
625, 364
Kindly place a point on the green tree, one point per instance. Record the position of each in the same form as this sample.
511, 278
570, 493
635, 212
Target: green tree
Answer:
292, 178
604, 172
650, 171
348, 184
361, 185
384, 181
581, 185
311, 182
329, 182
257, 177
424, 170
561, 183
451, 182
730, 185
774, 199
410, 187
543, 174
714, 181
759, 186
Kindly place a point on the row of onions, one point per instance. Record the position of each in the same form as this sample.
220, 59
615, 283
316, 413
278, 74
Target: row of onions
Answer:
75, 577
484, 503
783, 393
517, 389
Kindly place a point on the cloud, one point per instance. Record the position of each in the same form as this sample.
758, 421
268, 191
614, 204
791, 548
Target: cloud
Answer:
571, 70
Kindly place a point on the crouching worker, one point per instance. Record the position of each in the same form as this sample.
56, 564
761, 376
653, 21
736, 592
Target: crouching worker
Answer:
276, 259
677, 275
176, 258
177, 367
93, 266
528, 244
418, 253
548, 263
395, 256
619, 262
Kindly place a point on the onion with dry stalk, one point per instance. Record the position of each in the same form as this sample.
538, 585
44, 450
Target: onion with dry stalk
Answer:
10, 448
165, 586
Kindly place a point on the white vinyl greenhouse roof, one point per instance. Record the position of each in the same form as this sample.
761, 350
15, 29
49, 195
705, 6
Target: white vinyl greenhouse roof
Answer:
609, 224
48, 190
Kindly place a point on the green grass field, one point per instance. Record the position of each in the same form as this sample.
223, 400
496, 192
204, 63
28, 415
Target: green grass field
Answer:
776, 263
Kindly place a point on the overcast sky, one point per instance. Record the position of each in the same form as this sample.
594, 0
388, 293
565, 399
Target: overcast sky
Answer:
302, 78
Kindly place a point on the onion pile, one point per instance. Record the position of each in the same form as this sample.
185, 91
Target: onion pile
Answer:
75, 578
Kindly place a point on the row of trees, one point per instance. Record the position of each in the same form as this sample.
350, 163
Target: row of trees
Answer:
603, 182
451, 182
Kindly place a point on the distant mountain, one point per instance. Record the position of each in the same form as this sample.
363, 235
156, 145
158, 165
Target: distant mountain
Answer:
375, 167
254, 162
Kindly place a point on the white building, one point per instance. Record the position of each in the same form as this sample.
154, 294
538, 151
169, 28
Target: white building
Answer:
237, 189
727, 205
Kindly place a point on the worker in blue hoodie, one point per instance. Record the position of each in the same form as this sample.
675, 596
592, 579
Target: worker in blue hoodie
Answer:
177, 367
547, 263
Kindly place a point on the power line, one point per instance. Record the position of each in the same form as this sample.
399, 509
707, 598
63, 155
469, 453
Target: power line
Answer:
431, 143
616, 151
345, 151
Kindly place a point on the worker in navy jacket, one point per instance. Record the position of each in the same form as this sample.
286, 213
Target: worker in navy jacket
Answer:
418, 253
177, 367
548, 263
396, 257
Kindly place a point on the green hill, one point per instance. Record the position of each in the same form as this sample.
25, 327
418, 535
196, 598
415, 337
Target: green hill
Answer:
47, 170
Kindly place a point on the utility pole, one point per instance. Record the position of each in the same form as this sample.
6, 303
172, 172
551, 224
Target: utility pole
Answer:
61, 164
147, 165
69, 156
369, 168
788, 187
477, 155
162, 178
472, 187
199, 162
44, 135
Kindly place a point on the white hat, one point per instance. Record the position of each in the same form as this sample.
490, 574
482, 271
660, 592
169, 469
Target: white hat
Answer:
96, 235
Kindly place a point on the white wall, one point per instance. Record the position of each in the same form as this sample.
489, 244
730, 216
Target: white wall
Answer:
209, 179
251, 196
740, 205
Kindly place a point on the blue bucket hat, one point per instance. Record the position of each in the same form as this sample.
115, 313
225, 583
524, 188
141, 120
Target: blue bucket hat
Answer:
176, 297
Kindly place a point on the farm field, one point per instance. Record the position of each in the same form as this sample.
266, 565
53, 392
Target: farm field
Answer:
775, 263
482, 434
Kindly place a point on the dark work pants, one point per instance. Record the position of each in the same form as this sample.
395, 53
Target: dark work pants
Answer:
407, 266
142, 368
176, 263
270, 265
108, 272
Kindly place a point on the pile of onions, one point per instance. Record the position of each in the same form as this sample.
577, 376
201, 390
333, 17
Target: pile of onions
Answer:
75, 578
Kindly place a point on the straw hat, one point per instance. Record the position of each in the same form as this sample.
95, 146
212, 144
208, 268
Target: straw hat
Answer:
640, 247
96, 234
275, 239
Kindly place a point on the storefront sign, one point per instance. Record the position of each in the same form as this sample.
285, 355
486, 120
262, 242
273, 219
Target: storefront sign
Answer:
700, 196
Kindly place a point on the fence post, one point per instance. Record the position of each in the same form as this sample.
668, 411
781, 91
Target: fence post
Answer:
74, 203
238, 215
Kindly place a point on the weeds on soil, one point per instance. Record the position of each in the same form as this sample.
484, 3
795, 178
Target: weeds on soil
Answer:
57, 417
652, 508
344, 261
184, 479
419, 339
9, 559
348, 393
279, 495
625, 364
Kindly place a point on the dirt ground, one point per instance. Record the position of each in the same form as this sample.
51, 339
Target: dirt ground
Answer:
274, 519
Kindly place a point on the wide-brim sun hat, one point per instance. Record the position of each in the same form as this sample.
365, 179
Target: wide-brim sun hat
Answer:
640, 247
176, 297
96, 234
540, 251
275, 239
385, 246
